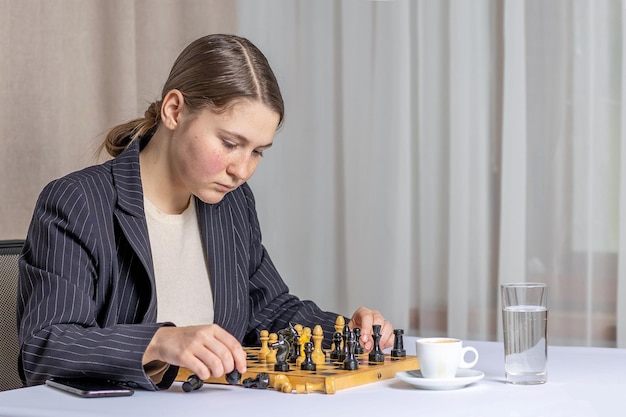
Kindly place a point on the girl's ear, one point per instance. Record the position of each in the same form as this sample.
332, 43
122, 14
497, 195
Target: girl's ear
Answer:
171, 109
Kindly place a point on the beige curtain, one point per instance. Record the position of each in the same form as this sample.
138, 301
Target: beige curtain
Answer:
431, 150
71, 69
435, 149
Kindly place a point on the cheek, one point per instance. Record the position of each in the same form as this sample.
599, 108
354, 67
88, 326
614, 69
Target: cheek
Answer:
202, 161
208, 163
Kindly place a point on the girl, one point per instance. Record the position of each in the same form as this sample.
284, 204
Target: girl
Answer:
153, 260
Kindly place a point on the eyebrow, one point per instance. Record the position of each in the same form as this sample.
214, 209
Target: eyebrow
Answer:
242, 138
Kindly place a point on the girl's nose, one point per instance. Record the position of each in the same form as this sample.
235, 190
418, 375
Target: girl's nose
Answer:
242, 168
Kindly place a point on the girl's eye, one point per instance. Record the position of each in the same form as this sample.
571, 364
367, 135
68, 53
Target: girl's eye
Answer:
229, 145
233, 145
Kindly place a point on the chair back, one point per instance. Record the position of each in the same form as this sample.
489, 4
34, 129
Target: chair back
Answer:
9, 254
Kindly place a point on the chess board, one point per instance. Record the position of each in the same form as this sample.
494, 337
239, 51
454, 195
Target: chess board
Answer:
329, 377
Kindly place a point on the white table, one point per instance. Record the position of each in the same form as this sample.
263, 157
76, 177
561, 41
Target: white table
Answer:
583, 382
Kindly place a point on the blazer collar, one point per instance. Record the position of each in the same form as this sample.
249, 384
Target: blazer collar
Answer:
215, 221
127, 180
130, 212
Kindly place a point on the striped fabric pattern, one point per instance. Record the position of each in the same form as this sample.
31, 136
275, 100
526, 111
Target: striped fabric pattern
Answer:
87, 298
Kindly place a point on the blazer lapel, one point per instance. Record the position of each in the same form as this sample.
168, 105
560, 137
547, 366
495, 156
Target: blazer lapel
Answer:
130, 212
218, 236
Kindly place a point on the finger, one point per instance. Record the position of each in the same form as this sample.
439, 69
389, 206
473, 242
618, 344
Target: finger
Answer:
387, 336
236, 354
204, 349
197, 367
241, 360
215, 352
229, 350
178, 346
214, 363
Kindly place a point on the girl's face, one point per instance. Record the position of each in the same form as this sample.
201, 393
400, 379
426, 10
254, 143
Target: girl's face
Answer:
212, 154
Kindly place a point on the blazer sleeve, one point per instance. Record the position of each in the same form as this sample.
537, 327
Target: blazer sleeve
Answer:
66, 327
272, 306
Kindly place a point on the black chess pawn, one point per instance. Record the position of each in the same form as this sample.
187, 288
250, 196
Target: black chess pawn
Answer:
398, 350
358, 350
192, 383
376, 355
233, 377
308, 364
350, 363
261, 381
336, 352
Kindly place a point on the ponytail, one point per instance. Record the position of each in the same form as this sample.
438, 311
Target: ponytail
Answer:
119, 137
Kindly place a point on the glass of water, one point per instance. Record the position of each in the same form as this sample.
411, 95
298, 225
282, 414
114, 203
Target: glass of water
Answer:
525, 325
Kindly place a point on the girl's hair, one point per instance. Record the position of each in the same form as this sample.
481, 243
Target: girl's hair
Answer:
211, 72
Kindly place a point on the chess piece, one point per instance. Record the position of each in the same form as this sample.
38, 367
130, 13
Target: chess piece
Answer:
327, 386
336, 352
261, 381
281, 383
294, 342
282, 350
344, 338
294, 353
358, 350
350, 363
306, 334
398, 350
307, 363
318, 356
376, 355
339, 323
305, 337
192, 383
233, 377
264, 345
290, 335
271, 355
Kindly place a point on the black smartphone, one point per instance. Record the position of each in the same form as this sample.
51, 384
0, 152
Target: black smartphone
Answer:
90, 387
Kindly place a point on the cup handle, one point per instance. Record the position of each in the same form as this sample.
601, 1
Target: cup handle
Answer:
462, 362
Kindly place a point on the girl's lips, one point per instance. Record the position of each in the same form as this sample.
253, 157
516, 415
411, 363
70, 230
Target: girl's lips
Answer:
225, 188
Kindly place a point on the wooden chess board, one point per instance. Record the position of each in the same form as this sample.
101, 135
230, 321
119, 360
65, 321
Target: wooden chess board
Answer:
329, 377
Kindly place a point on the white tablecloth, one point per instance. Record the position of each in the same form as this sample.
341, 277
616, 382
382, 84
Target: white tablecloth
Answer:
582, 382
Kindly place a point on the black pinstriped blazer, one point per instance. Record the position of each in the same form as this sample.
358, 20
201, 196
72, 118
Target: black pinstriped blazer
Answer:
87, 300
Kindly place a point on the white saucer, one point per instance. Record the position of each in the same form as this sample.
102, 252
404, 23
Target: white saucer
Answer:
463, 378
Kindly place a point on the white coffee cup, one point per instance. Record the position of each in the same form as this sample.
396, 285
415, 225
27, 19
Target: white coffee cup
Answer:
440, 357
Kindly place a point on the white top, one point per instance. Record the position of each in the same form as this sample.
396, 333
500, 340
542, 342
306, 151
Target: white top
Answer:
183, 288
582, 382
